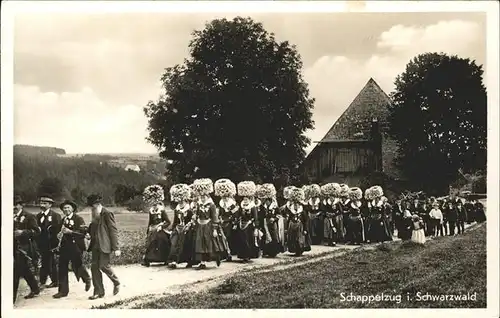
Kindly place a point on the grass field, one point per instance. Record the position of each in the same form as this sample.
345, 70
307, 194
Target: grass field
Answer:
444, 266
131, 233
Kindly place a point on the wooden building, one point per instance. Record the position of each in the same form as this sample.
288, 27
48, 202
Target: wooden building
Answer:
357, 143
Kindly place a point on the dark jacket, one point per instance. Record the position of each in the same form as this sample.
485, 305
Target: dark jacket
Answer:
77, 238
452, 213
25, 243
50, 226
103, 232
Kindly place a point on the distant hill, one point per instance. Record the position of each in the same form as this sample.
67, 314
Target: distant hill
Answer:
82, 174
38, 151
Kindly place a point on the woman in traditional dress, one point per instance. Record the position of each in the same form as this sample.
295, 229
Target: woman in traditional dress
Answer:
283, 209
273, 225
366, 213
332, 221
379, 228
225, 189
298, 238
208, 244
181, 249
247, 231
345, 209
158, 239
356, 223
313, 206
417, 227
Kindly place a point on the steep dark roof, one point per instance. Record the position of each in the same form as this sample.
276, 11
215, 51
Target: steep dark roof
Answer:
371, 102
355, 123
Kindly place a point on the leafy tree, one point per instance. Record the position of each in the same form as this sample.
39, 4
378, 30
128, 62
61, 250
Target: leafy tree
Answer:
236, 108
51, 186
124, 193
78, 194
439, 119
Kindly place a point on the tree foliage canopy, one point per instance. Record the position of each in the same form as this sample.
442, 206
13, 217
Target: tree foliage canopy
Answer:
237, 107
438, 117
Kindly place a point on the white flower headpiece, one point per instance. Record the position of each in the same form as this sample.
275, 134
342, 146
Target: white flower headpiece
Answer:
180, 192
330, 190
377, 191
312, 191
287, 192
344, 190
297, 195
153, 194
225, 188
369, 194
203, 186
246, 189
266, 191
355, 194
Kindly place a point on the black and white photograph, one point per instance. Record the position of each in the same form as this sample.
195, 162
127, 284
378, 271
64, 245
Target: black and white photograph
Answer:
250, 155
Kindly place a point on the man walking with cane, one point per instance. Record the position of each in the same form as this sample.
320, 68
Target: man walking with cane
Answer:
103, 242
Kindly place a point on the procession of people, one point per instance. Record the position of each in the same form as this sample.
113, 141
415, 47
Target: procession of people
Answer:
217, 221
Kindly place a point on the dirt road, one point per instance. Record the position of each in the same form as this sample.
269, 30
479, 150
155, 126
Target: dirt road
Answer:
137, 280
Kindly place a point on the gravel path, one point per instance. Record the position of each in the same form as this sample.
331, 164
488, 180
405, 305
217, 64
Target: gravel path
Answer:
137, 281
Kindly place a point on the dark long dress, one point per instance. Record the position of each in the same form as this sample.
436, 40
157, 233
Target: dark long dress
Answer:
333, 225
298, 239
356, 224
378, 228
182, 235
207, 247
397, 216
157, 242
273, 229
316, 216
343, 210
228, 224
246, 244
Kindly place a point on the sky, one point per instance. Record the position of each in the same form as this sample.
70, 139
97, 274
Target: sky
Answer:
81, 80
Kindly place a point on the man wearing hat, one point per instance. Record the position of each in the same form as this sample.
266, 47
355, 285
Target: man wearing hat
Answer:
25, 231
50, 225
71, 248
103, 242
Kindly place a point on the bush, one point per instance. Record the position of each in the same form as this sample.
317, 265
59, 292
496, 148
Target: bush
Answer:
132, 246
136, 204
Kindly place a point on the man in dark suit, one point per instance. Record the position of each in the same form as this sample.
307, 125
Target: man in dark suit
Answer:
71, 248
452, 217
469, 207
25, 231
462, 217
415, 207
50, 225
397, 216
103, 242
